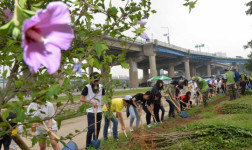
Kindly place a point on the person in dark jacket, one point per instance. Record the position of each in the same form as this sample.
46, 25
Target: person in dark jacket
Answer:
170, 96
157, 88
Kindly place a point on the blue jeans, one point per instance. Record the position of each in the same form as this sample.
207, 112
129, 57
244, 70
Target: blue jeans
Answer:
148, 115
172, 108
163, 112
133, 115
106, 126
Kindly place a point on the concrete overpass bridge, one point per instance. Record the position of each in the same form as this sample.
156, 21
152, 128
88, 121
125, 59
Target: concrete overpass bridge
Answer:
159, 55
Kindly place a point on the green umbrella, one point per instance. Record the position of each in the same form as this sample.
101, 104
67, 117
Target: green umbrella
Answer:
160, 78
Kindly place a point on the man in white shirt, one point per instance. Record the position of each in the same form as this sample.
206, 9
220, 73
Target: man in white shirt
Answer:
92, 94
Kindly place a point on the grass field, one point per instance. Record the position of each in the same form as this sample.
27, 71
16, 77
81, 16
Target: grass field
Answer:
214, 127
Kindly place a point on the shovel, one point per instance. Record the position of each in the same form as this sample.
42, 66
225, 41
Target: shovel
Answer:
141, 121
182, 114
125, 134
95, 143
71, 145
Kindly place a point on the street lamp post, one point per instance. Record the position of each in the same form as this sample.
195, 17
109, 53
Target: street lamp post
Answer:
168, 35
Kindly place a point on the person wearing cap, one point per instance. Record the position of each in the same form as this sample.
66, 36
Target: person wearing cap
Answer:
229, 76
143, 102
116, 106
170, 96
202, 88
92, 94
237, 82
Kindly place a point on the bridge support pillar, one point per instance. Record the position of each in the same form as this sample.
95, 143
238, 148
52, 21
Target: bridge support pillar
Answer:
193, 70
187, 69
153, 69
171, 71
208, 70
133, 73
145, 74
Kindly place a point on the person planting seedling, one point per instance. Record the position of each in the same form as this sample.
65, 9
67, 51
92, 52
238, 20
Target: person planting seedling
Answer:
202, 88
142, 101
117, 105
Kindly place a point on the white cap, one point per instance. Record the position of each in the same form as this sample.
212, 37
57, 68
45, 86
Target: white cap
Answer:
127, 97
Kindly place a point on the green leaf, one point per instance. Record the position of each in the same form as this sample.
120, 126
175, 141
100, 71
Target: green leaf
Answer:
91, 62
59, 120
7, 28
110, 4
5, 114
123, 43
59, 104
98, 48
22, 3
54, 90
20, 57
34, 140
69, 71
83, 107
4, 74
125, 65
66, 83
153, 11
77, 2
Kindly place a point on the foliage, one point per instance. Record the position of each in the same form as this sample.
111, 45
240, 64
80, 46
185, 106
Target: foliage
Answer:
236, 108
249, 63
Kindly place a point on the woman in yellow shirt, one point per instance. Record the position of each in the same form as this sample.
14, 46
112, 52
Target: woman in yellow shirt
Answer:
117, 105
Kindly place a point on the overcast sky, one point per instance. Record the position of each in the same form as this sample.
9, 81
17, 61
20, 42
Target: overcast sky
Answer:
221, 25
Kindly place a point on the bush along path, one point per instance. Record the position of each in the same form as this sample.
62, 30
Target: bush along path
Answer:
205, 128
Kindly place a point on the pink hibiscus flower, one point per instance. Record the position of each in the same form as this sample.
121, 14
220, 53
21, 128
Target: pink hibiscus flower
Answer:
44, 36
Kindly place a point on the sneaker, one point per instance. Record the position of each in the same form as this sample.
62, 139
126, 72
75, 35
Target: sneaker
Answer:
149, 126
161, 121
131, 129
